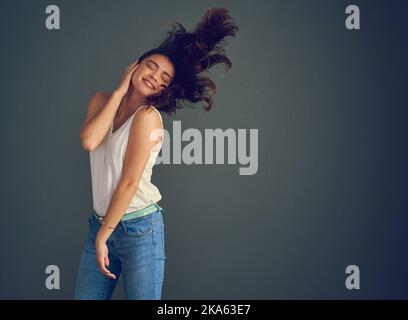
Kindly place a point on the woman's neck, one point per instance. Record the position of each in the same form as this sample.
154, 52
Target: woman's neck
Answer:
132, 101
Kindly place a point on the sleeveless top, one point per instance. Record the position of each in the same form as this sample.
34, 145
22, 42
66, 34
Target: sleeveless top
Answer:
106, 170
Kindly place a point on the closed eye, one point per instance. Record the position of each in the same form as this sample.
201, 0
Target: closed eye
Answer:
151, 67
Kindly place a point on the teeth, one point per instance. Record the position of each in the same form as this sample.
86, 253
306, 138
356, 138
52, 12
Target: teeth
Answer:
148, 84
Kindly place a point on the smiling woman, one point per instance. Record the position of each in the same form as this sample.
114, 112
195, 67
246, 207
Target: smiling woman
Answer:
123, 137
153, 65
154, 73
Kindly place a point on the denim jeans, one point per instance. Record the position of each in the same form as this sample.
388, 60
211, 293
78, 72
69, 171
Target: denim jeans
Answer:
136, 250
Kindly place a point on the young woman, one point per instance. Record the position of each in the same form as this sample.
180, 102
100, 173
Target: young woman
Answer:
123, 132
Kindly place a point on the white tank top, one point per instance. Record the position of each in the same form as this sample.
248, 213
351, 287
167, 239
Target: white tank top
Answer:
106, 169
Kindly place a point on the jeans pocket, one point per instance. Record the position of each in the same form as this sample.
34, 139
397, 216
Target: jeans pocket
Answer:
158, 239
139, 227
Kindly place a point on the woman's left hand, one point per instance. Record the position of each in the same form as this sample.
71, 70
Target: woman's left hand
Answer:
102, 258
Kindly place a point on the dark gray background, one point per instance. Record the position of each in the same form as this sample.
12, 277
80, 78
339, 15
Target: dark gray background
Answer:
330, 107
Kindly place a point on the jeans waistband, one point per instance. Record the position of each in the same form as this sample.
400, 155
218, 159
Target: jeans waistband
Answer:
135, 214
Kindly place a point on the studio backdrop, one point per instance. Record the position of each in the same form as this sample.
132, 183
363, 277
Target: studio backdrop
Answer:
293, 186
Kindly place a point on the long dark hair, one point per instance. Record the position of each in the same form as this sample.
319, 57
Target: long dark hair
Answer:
192, 53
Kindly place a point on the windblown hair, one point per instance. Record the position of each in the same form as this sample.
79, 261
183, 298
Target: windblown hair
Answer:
193, 53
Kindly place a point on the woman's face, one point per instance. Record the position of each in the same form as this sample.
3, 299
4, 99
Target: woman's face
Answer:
153, 74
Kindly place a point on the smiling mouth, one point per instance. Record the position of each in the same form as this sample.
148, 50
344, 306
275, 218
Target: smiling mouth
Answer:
148, 84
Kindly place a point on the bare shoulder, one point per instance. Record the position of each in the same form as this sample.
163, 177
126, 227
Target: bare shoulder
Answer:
149, 116
147, 123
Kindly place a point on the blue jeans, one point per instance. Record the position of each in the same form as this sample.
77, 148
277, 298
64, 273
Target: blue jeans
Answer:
136, 250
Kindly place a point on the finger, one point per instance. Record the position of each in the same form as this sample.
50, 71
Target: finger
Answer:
107, 261
135, 64
109, 274
130, 72
132, 65
105, 271
101, 265
132, 69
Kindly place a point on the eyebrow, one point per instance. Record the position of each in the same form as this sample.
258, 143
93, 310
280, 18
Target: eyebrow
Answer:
165, 72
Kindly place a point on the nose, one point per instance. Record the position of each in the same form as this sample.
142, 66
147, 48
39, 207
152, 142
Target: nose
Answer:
152, 75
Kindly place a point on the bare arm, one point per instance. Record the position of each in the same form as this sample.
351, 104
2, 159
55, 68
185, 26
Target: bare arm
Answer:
101, 113
99, 118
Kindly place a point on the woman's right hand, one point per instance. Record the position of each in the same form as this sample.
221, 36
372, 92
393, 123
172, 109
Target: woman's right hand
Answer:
102, 258
127, 77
